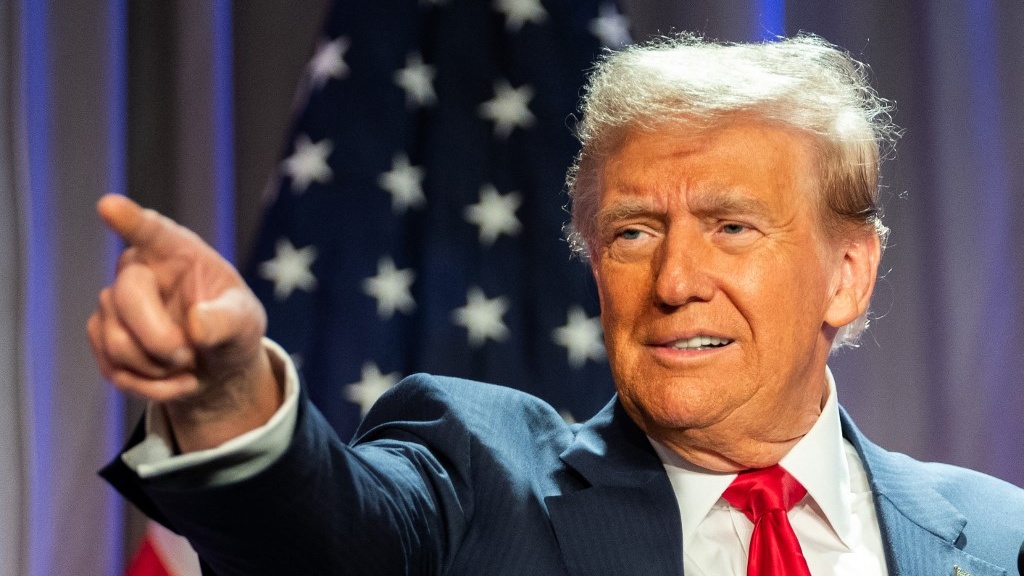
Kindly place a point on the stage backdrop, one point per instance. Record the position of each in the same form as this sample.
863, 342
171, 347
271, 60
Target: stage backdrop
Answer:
188, 106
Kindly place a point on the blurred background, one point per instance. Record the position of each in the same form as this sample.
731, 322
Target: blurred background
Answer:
191, 108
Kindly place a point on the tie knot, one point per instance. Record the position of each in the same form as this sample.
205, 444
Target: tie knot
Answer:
756, 492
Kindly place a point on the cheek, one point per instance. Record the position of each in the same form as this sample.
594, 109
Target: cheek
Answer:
622, 309
785, 303
621, 291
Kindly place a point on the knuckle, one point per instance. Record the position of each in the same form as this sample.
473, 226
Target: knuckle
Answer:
124, 381
129, 256
95, 337
131, 383
120, 347
92, 326
104, 367
130, 280
106, 298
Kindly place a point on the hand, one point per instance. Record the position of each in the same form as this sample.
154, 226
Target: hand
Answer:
178, 326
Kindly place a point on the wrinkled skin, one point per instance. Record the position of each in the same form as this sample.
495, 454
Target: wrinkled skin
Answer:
718, 235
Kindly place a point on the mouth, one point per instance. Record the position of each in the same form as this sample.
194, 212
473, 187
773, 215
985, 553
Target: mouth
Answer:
699, 342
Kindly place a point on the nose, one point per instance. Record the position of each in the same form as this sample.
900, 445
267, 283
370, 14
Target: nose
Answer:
683, 270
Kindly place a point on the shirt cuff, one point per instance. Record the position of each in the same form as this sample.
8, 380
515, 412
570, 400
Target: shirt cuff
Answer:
237, 459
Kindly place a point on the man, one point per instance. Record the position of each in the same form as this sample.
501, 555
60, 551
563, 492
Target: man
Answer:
726, 197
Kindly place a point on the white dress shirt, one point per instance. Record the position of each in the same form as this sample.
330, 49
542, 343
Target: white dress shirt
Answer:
835, 523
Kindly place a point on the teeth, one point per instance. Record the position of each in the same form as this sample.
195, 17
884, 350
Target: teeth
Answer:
698, 342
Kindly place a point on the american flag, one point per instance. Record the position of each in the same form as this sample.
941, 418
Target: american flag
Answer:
416, 222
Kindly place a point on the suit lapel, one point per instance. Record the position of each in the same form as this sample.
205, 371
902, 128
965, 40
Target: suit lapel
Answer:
922, 532
626, 520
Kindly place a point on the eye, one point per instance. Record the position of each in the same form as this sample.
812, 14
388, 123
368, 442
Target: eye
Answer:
631, 243
735, 236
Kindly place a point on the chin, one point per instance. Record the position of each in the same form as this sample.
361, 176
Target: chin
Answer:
663, 408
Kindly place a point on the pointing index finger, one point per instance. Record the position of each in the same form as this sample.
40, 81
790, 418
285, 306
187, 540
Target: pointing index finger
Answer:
144, 229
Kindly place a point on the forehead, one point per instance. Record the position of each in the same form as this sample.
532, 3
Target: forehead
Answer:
739, 162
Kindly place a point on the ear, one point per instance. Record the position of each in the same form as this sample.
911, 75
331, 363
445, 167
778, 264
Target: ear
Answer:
855, 280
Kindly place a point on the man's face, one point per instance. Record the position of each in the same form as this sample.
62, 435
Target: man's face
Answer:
717, 287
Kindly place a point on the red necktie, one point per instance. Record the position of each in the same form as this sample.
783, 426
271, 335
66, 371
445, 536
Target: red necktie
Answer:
765, 496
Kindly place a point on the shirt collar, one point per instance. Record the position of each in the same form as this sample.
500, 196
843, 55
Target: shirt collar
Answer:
818, 461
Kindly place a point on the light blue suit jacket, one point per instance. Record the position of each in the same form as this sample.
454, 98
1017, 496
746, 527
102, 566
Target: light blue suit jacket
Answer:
454, 477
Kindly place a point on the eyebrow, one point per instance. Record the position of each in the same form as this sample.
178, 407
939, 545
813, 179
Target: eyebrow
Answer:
624, 210
719, 203
706, 204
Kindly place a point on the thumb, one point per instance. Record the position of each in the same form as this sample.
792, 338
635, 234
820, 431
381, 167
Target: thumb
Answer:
234, 318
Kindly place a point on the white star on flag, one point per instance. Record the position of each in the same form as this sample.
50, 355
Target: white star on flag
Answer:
404, 182
519, 12
611, 27
509, 109
308, 163
481, 317
391, 288
494, 214
370, 387
328, 62
417, 79
581, 337
290, 269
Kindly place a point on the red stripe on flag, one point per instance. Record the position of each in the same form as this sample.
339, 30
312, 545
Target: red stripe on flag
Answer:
163, 553
147, 562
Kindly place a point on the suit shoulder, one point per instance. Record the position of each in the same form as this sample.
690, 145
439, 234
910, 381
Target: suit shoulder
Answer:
969, 485
892, 472
989, 504
444, 392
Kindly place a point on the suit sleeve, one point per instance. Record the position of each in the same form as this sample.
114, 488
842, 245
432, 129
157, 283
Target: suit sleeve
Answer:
395, 502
